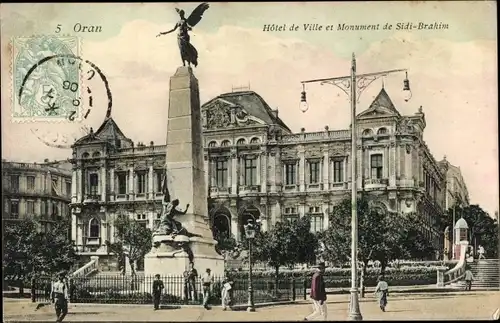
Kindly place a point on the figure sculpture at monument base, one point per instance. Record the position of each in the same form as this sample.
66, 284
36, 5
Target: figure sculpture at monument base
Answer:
187, 238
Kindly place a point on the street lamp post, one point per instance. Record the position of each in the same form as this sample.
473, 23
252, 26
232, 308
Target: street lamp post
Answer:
250, 232
353, 85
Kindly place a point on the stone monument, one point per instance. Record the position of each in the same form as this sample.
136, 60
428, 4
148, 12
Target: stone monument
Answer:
188, 237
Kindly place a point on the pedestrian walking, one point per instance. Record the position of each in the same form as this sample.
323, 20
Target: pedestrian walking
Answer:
60, 297
207, 281
227, 285
468, 279
481, 252
318, 294
157, 289
193, 275
382, 291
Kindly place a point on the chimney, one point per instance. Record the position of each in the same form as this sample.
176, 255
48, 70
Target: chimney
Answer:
275, 113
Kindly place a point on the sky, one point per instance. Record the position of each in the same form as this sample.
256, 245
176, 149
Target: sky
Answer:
452, 72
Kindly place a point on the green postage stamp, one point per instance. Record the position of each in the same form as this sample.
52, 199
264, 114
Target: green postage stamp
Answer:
46, 79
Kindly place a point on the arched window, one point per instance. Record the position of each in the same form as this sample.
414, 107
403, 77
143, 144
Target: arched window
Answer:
94, 228
85, 155
225, 143
241, 142
367, 133
96, 154
255, 141
382, 131
212, 144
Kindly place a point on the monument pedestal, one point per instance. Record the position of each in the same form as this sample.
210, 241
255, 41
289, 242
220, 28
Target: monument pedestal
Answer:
185, 181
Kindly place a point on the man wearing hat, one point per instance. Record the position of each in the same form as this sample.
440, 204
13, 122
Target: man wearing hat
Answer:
318, 293
60, 297
157, 288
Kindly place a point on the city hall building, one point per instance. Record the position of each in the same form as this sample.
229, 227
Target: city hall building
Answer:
256, 167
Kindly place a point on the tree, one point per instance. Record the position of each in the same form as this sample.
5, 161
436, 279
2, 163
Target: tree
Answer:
286, 244
29, 252
483, 229
226, 243
131, 239
382, 237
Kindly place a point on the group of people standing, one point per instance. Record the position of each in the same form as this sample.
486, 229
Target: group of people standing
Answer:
190, 290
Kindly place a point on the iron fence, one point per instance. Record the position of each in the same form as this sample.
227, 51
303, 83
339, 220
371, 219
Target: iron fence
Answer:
177, 291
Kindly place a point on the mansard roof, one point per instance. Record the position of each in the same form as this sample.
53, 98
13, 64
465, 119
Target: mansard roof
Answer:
253, 104
108, 131
381, 106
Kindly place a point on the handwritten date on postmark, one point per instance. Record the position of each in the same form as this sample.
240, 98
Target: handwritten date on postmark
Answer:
49, 91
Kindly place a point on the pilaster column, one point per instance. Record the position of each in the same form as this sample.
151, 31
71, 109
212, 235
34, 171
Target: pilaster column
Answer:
386, 160
103, 183
234, 227
326, 169
259, 168
345, 170
131, 180
302, 169
213, 179
392, 165
276, 213
234, 172
73, 227
302, 209
74, 178
150, 182
326, 221
112, 180
263, 181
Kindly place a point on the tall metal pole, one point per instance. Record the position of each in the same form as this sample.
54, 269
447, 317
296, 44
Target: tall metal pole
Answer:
251, 307
354, 312
453, 230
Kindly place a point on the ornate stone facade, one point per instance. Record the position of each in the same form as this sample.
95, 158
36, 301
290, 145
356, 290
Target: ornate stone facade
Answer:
41, 191
263, 170
456, 189
257, 168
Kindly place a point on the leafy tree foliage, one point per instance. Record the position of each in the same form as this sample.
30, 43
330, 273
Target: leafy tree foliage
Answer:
29, 252
286, 244
483, 229
226, 243
131, 239
382, 237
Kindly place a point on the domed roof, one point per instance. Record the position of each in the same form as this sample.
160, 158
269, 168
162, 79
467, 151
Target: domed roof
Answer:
461, 224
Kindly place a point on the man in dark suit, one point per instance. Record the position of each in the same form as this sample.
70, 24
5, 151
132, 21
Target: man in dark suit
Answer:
157, 288
318, 294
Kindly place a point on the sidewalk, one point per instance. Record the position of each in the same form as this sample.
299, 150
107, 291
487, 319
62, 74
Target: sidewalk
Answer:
478, 305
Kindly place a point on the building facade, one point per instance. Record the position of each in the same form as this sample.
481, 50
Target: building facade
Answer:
41, 191
113, 177
456, 188
257, 168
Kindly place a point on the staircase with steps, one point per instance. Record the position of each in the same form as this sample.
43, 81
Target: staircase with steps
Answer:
486, 275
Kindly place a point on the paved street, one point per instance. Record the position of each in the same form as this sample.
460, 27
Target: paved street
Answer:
474, 305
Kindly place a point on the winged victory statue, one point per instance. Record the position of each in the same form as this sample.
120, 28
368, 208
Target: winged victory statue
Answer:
189, 53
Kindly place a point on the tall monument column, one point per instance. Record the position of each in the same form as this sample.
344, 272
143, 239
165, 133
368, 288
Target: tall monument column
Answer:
185, 181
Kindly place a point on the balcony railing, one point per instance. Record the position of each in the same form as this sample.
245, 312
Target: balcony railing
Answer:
215, 191
376, 182
92, 198
406, 183
245, 189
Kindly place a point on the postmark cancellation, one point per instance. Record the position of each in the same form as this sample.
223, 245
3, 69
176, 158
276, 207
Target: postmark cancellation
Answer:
46, 88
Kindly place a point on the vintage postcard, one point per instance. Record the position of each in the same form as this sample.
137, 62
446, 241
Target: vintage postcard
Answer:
250, 161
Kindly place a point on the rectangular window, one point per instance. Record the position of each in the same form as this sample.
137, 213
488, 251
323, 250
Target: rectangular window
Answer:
141, 182
46, 208
159, 182
290, 214
30, 180
14, 209
338, 171
122, 183
68, 188
313, 172
221, 173
14, 183
376, 166
30, 206
250, 172
290, 174
94, 184
317, 223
